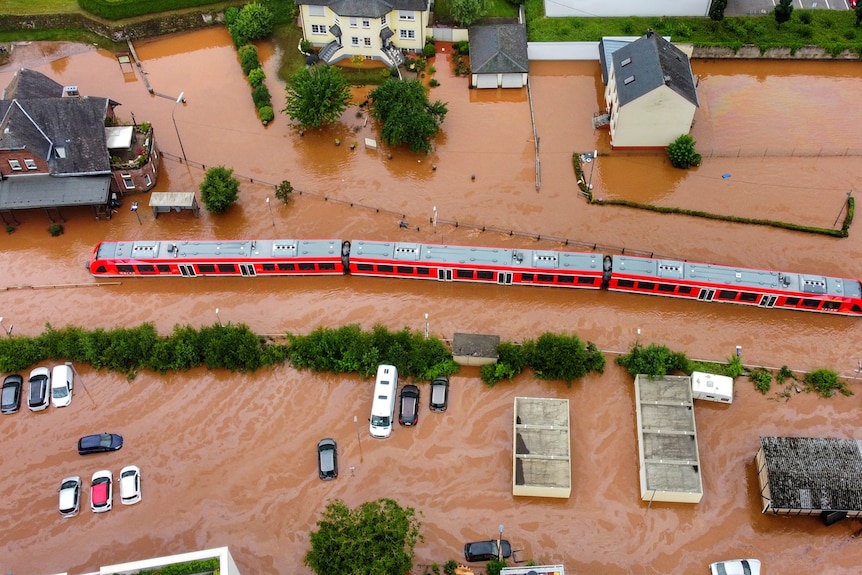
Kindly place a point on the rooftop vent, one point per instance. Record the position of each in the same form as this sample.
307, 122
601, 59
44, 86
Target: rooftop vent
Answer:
69, 91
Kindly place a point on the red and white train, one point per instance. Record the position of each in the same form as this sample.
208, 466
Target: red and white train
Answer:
503, 266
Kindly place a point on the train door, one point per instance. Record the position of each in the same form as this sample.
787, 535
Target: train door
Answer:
504, 278
187, 270
706, 294
247, 270
444, 275
767, 301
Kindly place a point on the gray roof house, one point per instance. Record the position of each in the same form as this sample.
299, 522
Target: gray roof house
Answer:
498, 56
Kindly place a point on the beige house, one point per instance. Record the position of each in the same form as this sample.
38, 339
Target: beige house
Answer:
372, 29
651, 94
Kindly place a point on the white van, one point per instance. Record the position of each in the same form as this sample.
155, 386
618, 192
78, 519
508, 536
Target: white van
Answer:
62, 382
383, 406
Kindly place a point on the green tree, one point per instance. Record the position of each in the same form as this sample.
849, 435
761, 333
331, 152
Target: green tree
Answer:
858, 11
219, 190
565, 357
655, 360
256, 77
783, 10
406, 114
317, 96
466, 12
716, 10
253, 22
283, 191
248, 58
682, 153
377, 538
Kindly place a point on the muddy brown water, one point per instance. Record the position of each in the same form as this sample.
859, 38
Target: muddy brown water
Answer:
228, 459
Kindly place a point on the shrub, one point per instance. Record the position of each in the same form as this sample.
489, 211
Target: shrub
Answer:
261, 96
784, 374
256, 77
253, 22
55, 230
653, 360
248, 58
433, 82
305, 46
462, 47
762, 379
230, 15
266, 114
825, 382
450, 567
682, 153
429, 50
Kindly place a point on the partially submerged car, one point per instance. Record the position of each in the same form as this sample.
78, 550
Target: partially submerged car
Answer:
102, 491
487, 550
40, 389
99, 443
736, 567
70, 496
62, 381
439, 393
11, 396
408, 413
130, 484
327, 459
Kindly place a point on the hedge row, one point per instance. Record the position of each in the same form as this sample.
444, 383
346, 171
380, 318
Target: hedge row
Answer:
122, 9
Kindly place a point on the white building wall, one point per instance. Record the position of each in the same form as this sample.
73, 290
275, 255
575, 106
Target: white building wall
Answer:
619, 8
654, 120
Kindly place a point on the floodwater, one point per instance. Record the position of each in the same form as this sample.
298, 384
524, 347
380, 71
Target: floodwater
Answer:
229, 459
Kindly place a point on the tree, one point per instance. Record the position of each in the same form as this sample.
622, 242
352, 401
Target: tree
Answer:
783, 10
248, 58
219, 189
283, 191
253, 22
858, 11
716, 10
466, 12
682, 153
406, 114
317, 96
377, 538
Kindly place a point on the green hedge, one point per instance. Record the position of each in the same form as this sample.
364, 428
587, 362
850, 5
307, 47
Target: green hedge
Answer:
122, 9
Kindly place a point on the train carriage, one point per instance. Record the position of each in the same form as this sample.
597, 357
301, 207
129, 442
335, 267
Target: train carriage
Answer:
218, 258
724, 284
503, 266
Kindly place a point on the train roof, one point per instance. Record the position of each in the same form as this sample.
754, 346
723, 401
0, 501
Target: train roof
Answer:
218, 249
743, 277
460, 255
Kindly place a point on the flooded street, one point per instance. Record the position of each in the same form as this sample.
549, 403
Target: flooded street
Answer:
229, 459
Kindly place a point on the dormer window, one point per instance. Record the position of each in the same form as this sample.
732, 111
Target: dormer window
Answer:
15, 165
629, 80
625, 62
30, 163
60, 152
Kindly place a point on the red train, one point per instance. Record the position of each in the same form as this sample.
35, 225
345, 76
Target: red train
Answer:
503, 266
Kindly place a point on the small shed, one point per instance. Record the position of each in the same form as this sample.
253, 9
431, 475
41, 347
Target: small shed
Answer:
162, 202
498, 56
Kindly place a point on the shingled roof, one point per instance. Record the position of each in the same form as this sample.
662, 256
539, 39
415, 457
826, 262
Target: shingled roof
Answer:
651, 61
367, 8
498, 49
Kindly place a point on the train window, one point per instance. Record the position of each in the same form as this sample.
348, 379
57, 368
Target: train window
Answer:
586, 280
811, 302
625, 283
306, 266
526, 277
646, 285
125, 269
683, 289
484, 275
387, 269
146, 269
792, 301
727, 294
327, 267
227, 268
423, 271
748, 296
206, 268
286, 267
565, 279
830, 304
164, 268
545, 278
666, 288
268, 267
856, 308
464, 274
364, 268
405, 270
101, 270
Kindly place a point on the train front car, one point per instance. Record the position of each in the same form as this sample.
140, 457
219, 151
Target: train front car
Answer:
725, 284
502, 266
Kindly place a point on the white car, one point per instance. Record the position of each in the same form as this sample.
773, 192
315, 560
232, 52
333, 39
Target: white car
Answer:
130, 485
40, 389
102, 491
62, 381
736, 567
70, 496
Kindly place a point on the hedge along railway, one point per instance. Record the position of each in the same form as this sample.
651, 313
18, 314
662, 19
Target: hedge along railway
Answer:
489, 265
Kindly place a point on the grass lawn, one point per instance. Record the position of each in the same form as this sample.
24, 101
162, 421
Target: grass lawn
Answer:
25, 7
494, 9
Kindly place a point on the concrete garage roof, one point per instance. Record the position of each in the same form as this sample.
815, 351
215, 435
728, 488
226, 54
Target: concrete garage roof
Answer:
667, 440
541, 459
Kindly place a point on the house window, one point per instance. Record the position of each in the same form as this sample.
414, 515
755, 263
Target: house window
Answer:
128, 182
316, 10
31, 164
368, 42
15, 165
383, 20
354, 22
354, 41
366, 23
407, 34
406, 16
148, 179
318, 29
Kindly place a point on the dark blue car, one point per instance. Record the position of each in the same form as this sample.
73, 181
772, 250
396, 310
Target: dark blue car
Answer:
99, 443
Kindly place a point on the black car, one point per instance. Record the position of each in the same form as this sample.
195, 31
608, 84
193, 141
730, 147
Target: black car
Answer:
11, 397
439, 393
486, 550
99, 443
327, 459
408, 413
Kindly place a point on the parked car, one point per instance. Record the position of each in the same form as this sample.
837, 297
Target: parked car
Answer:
327, 459
11, 396
102, 491
439, 393
40, 392
130, 485
62, 381
486, 550
408, 413
99, 443
70, 496
736, 567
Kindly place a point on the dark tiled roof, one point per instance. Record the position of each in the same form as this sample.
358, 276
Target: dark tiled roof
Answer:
31, 84
498, 49
367, 8
652, 61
